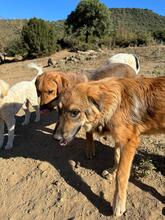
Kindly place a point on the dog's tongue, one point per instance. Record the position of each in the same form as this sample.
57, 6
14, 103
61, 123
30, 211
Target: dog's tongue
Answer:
63, 142
44, 112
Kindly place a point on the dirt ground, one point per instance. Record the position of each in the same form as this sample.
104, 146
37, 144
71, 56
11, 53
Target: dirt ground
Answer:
41, 180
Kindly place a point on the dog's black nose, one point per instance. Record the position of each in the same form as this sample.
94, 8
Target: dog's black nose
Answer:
57, 136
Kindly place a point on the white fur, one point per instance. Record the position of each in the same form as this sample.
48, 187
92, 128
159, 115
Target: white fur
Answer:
4, 88
20, 95
129, 59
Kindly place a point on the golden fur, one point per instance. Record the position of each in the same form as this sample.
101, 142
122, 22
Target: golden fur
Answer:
123, 108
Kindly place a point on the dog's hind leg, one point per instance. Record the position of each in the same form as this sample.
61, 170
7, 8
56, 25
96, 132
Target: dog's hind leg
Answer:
27, 113
10, 123
1, 132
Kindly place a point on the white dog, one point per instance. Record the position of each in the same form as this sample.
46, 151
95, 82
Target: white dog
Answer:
20, 95
126, 58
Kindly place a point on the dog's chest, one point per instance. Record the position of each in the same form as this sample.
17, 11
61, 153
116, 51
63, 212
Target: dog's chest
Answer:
103, 130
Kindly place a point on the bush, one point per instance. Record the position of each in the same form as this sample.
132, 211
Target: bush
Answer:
124, 38
159, 36
39, 38
16, 47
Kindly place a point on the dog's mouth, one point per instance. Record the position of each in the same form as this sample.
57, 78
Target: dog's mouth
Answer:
66, 141
44, 111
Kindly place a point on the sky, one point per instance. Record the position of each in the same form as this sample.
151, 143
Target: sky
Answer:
53, 10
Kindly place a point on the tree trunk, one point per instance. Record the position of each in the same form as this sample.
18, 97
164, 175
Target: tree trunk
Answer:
86, 37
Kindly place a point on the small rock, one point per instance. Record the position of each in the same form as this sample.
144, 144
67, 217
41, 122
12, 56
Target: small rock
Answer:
72, 218
72, 163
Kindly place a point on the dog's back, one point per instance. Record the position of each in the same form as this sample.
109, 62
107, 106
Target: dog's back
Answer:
126, 58
118, 70
22, 89
147, 98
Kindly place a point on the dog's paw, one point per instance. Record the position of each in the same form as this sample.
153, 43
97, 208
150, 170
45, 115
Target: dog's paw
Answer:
25, 123
109, 174
8, 146
37, 119
90, 154
118, 207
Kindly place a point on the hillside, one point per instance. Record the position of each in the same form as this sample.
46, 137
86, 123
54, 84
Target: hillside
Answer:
10, 30
137, 19
131, 18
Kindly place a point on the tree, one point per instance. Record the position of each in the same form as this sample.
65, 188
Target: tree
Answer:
39, 37
90, 17
159, 36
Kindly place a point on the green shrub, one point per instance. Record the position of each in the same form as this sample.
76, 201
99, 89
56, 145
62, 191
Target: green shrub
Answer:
39, 38
16, 47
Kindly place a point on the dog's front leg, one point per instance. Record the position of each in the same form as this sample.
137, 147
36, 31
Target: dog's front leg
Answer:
10, 122
90, 146
122, 175
1, 132
25, 107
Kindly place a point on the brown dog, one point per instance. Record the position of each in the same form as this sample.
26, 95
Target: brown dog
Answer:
123, 107
50, 85
118, 70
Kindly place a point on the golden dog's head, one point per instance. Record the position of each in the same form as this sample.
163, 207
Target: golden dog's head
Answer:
49, 85
83, 106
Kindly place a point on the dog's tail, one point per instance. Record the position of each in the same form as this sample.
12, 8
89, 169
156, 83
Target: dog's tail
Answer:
137, 64
38, 68
4, 88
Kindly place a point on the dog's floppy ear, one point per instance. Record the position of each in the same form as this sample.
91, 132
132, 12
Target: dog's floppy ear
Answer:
103, 100
37, 81
95, 101
96, 98
61, 82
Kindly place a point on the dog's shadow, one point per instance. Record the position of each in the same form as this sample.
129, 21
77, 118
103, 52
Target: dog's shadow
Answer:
35, 141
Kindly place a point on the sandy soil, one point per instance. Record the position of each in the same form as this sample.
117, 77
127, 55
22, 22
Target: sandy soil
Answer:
41, 180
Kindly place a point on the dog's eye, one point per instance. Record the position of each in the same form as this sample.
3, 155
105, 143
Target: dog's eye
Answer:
50, 91
74, 113
38, 93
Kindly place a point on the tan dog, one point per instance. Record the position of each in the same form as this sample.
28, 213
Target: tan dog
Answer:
51, 84
125, 108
